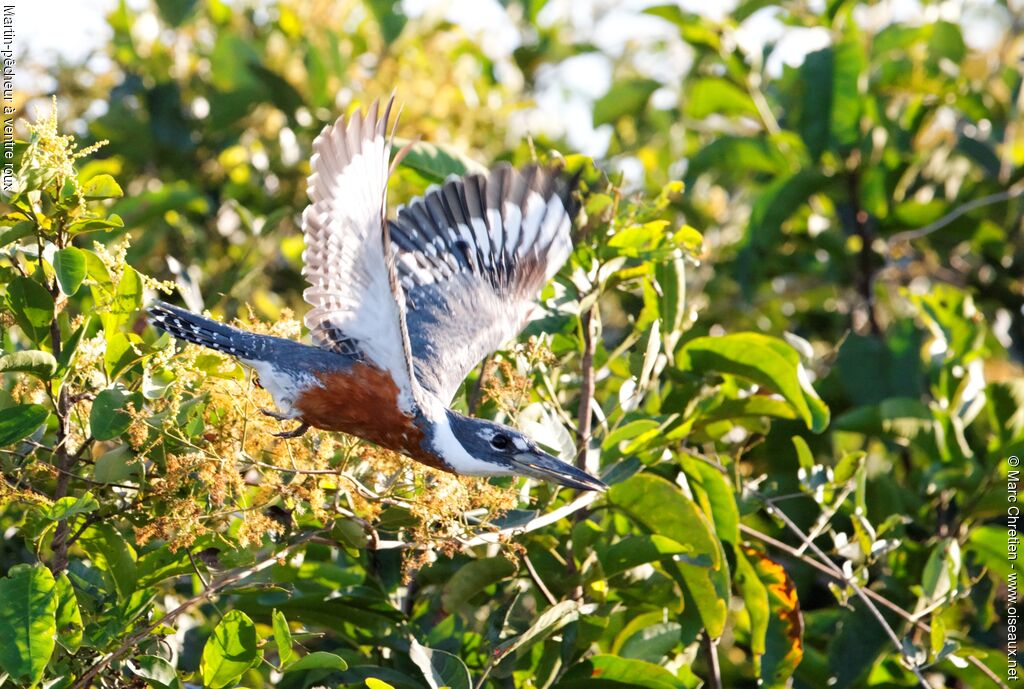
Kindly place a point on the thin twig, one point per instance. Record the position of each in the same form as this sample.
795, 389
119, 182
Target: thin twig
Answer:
831, 570
849, 581
714, 671
999, 197
538, 581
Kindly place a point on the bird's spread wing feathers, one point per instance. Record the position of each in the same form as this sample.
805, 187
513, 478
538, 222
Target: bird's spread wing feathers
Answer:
353, 289
472, 256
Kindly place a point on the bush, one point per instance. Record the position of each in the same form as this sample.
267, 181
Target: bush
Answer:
803, 408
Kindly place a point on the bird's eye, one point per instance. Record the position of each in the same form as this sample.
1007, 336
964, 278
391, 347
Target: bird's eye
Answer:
500, 441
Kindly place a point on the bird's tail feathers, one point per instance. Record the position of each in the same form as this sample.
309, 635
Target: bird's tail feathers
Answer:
192, 327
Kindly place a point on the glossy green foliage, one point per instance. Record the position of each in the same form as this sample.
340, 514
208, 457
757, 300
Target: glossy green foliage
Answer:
791, 324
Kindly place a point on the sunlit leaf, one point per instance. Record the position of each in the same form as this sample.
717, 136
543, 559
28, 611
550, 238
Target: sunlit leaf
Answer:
663, 509
40, 364
28, 626
102, 187
68, 615
282, 637
70, 266
317, 660
68, 507
764, 360
613, 672
157, 672
230, 650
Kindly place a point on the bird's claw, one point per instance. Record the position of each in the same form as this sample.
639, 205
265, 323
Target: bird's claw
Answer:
274, 414
294, 433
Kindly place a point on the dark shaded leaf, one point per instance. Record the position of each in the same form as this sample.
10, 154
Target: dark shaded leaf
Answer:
32, 307
18, 423
472, 578
625, 98
439, 668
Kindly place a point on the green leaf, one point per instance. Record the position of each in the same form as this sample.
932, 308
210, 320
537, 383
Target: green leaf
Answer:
778, 202
121, 354
848, 64
127, 300
67, 352
28, 625
68, 616
175, 12
784, 640
70, 266
437, 163
112, 555
942, 571
20, 230
715, 96
390, 18
737, 157
472, 578
18, 423
439, 668
627, 97
662, 508
608, 671
32, 307
551, 620
715, 496
98, 273
102, 187
115, 466
108, 418
652, 643
803, 454
816, 111
230, 650
988, 544
765, 360
68, 507
157, 672
37, 363
755, 599
318, 660
634, 551
282, 637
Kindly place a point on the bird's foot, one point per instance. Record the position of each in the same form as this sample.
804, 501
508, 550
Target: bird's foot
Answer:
275, 414
294, 433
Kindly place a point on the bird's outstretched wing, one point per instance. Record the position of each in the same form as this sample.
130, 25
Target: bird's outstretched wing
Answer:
472, 256
357, 302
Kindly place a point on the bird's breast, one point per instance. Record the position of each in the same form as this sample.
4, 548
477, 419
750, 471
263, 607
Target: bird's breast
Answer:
362, 400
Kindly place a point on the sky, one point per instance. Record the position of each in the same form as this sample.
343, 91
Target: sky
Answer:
49, 30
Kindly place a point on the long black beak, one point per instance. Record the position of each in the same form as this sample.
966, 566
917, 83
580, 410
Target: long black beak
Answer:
541, 465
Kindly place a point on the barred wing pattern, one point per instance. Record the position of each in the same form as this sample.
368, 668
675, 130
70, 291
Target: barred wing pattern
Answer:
357, 303
472, 256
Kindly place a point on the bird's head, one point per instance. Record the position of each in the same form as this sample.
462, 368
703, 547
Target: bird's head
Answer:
486, 448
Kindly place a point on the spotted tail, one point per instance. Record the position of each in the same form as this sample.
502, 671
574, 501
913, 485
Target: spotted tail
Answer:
200, 330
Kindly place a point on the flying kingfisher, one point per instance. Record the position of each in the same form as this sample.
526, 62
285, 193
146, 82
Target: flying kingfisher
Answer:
403, 309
